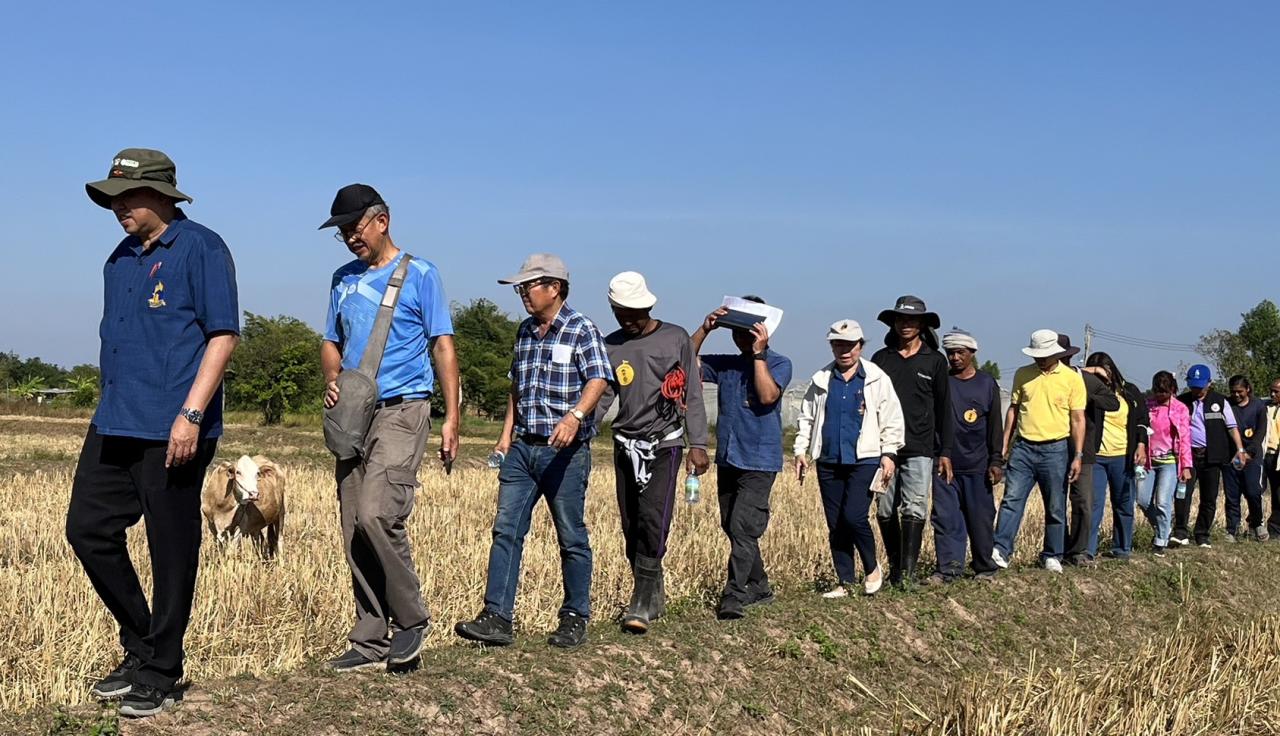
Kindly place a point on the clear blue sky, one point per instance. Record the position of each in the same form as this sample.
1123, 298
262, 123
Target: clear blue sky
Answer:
1017, 165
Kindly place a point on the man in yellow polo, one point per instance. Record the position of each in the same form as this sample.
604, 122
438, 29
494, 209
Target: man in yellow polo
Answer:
1046, 412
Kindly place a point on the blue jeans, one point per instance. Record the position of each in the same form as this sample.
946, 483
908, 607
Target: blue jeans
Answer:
528, 473
1035, 464
1155, 498
1109, 471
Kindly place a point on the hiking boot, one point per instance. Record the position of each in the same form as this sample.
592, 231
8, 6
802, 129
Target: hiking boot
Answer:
487, 628
571, 633
1260, 534
647, 572
145, 700
730, 609
353, 661
119, 681
998, 557
406, 644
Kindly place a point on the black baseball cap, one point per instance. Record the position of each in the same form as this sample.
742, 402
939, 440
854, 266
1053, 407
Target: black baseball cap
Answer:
350, 203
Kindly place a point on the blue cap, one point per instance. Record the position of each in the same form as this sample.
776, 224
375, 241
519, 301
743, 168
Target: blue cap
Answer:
1199, 376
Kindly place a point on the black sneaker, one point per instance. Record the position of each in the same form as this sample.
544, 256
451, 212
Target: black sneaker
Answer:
144, 700
762, 597
353, 661
487, 628
730, 609
1157, 550
119, 681
406, 644
571, 633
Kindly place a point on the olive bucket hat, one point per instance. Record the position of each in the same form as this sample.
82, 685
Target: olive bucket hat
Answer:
134, 168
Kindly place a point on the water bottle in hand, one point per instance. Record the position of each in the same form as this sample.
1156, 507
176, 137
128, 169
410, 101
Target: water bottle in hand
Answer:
1181, 493
1139, 473
1237, 462
495, 459
692, 489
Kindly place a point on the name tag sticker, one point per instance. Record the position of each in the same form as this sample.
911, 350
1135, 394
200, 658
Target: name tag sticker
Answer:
562, 354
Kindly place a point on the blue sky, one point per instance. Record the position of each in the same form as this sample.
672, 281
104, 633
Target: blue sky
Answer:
1015, 164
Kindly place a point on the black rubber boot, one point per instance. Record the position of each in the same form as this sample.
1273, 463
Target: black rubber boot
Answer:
891, 537
659, 605
648, 576
912, 534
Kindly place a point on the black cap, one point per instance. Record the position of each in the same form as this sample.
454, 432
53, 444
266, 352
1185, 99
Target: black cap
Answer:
350, 203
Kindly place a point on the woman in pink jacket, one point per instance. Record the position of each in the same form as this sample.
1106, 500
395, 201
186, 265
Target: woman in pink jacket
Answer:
1169, 459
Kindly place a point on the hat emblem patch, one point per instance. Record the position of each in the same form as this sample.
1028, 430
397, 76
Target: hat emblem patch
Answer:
125, 162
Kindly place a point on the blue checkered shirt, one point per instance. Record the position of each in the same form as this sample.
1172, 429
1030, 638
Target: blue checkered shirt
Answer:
550, 372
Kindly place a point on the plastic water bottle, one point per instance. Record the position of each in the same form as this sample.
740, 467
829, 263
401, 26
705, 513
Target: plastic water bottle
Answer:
496, 458
1139, 473
692, 489
1181, 493
1237, 462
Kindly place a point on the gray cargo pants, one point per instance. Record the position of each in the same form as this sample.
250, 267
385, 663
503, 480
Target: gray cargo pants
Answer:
375, 495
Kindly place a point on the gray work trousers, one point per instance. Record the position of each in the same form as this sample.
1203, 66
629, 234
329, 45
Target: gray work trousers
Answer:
375, 496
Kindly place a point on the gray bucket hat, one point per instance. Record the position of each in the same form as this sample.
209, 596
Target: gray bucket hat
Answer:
135, 168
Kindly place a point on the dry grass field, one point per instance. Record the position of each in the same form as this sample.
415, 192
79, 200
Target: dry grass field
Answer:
277, 619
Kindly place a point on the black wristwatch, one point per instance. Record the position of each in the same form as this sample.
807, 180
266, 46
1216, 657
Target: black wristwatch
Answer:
195, 416
760, 356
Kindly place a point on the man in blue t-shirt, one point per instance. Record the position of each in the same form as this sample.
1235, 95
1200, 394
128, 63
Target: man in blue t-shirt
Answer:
376, 489
965, 506
170, 322
748, 452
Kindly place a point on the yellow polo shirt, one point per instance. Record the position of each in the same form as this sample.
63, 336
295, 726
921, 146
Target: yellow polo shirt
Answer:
1115, 431
1045, 401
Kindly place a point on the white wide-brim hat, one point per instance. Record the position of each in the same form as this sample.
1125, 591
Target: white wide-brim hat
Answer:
1044, 344
629, 291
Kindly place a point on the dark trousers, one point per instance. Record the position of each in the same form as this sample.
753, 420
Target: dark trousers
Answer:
1273, 482
963, 510
646, 509
1206, 480
1080, 519
744, 517
118, 481
846, 499
1245, 482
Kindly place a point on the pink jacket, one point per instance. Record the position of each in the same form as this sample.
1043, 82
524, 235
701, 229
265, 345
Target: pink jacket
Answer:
1170, 431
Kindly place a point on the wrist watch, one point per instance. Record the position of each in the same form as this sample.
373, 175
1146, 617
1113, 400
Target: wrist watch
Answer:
578, 415
195, 416
760, 355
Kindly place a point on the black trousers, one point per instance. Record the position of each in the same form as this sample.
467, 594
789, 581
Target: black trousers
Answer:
118, 481
646, 510
1206, 479
846, 501
1080, 520
744, 517
1273, 482
1245, 482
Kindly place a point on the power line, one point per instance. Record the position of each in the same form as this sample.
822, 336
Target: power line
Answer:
1142, 342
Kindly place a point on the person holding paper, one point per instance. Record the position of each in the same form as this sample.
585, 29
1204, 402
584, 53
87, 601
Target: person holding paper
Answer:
851, 427
919, 375
748, 450
964, 508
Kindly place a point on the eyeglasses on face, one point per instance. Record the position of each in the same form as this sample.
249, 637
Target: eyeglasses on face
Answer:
345, 236
527, 286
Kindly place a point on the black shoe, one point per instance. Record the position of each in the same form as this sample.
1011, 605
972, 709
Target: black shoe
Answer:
406, 644
730, 609
762, 597
353, 661
144, 700
119, 681
571, 632
487, 628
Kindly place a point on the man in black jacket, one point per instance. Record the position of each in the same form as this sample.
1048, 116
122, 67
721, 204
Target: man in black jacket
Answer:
1080, 491
920, 378
1213, 435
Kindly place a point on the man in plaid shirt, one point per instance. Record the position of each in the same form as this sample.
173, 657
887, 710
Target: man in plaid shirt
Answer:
559, 372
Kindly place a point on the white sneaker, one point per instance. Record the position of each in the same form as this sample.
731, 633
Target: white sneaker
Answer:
999, 559
836, 592
1206, 545
1052, 564
1180, 541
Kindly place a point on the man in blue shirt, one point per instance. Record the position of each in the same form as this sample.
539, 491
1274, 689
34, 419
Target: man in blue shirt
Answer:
748, 452
376, 489
170, 322
558, 374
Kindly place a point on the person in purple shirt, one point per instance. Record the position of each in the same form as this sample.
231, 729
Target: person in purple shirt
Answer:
1215, 442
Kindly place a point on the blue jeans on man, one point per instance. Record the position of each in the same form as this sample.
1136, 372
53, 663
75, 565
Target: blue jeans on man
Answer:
1110, 471
528, 473
1035, 463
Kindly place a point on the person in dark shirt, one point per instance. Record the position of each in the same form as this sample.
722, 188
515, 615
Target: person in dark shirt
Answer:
1101, 399
919, 375
965, 506
1251, 421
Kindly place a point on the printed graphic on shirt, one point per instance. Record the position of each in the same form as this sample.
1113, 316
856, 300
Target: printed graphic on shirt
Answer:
1248, 432
157, 300
626, 374
674, 386
971, 415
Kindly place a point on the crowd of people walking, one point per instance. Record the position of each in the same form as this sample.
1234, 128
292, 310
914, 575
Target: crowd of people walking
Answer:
915, 432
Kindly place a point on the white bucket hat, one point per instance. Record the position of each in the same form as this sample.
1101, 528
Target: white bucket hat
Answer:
1044, 344
629, 291
846, 329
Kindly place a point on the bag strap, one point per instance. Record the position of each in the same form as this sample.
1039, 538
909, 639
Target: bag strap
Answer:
371, 361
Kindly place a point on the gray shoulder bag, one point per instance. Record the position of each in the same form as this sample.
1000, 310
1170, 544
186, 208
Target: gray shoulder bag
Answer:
347, 422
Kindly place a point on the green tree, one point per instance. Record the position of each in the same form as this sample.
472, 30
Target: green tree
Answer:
1252, 350
276, 368
989, 366
484, 335
85, 387
29, 388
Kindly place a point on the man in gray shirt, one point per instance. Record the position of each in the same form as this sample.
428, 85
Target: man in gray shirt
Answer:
659, 399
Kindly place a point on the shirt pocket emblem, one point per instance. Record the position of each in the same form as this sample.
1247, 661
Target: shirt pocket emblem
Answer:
157, 296
971, 415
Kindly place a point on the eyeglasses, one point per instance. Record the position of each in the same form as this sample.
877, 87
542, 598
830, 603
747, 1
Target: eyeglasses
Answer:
345, 237
524, 288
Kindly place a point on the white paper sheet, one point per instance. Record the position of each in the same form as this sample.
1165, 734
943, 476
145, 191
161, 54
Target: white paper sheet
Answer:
772, 315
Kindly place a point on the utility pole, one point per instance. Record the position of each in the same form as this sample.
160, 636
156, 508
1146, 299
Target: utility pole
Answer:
1088, 339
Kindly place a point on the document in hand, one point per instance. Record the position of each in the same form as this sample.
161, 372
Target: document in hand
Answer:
744, 314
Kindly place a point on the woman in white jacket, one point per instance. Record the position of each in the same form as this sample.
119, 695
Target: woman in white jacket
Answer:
851, 427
